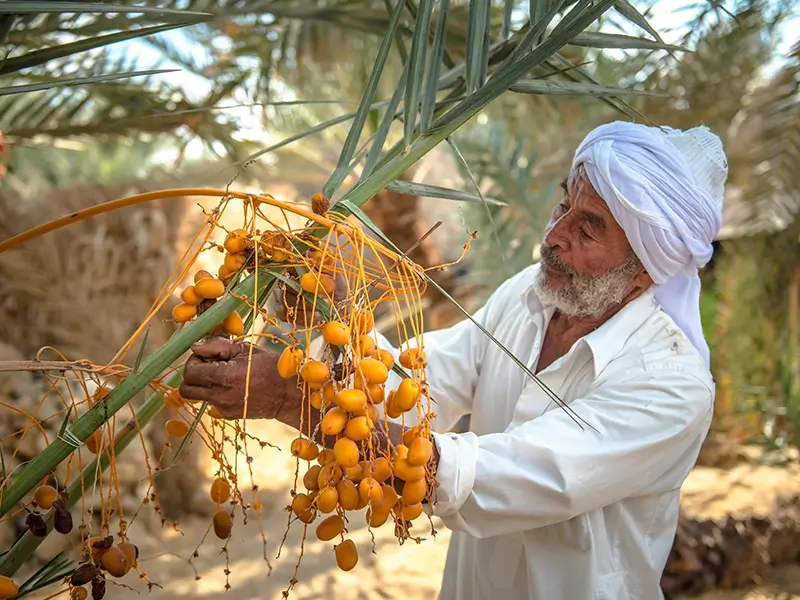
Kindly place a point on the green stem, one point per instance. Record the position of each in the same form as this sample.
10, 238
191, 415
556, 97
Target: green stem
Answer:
397, 149
150, 369
27, 544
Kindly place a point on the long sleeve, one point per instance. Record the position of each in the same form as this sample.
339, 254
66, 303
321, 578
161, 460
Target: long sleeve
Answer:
549, 470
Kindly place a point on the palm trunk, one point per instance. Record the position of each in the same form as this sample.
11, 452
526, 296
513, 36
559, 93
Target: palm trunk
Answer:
399, 217
731, 553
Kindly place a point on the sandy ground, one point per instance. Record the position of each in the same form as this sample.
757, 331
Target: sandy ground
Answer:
410, 572
783, 584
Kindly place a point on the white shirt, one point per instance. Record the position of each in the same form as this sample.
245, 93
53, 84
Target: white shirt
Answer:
541, 509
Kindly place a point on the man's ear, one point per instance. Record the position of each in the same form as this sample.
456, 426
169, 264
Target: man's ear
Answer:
642, 279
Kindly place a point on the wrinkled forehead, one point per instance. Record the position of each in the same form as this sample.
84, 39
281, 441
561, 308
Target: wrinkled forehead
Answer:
577, 172
580, 190
587, 202
578, 178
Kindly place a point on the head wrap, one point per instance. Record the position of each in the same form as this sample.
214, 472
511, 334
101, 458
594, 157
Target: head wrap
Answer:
665, 189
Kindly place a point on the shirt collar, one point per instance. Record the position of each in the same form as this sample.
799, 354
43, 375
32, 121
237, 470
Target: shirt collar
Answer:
606, 341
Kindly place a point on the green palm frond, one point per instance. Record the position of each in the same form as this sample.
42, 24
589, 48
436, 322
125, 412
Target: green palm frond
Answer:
54, 570
75, 81
566, 77
42, 56
522, 172
108, 103
269, 45
38, 32
58, 80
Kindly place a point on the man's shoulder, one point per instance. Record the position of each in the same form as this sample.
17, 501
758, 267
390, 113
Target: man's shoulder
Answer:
660, 348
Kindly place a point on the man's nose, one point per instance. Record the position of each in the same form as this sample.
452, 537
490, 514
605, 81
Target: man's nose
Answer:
557, 233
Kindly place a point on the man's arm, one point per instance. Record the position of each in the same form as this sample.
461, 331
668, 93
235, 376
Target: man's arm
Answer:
643, 439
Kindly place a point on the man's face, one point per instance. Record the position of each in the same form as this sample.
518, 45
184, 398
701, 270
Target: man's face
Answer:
588, 265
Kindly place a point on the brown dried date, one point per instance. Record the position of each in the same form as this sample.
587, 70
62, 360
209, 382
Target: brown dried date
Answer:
84, 574
62, 521
98, 588
36, 524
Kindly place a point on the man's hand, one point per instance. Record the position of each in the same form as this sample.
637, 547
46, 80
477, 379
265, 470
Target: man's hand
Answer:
216, 372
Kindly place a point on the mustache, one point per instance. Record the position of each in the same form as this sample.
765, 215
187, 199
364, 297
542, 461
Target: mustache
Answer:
551, 259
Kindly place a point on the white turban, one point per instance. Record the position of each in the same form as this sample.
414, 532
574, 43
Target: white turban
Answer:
665, 189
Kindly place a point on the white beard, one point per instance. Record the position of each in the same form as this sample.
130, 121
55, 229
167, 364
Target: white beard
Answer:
586, 295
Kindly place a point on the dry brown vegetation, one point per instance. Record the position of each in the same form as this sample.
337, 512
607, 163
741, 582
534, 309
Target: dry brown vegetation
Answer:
83, 290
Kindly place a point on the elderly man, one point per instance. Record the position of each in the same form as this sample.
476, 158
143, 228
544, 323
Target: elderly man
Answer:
541, 507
